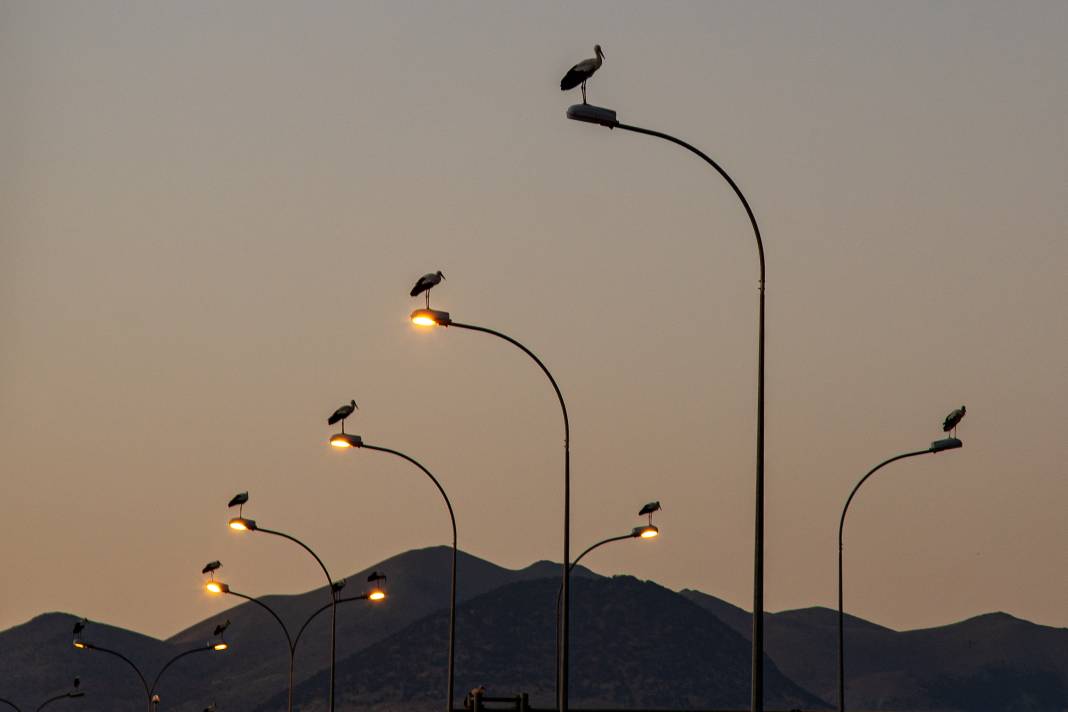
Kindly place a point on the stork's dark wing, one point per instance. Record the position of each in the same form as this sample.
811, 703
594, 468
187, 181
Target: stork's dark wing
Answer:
238, 499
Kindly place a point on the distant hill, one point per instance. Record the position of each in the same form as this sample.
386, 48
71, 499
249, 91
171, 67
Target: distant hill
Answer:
990, 662
635, 644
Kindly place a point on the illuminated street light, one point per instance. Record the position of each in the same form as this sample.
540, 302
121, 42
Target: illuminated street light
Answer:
150, 690
345, 440
647, 531
434, 317
246, 524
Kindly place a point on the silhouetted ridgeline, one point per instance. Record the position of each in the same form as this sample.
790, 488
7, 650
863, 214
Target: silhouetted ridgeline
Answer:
635, 644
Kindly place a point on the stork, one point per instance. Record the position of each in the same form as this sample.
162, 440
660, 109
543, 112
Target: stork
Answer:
951, 421
425, 283
649, 509
375, 576
79, 626
211, 567
239, 500
577, 75
341, 413
221, 627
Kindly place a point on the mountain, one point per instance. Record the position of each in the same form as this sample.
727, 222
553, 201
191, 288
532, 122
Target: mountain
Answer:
990, 662
635, 644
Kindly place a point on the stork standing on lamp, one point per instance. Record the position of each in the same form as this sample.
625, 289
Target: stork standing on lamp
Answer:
341, 413
577, 75
952, 420
425, 283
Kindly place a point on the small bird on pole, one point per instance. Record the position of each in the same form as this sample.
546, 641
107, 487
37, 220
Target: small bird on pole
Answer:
649, 509
425, 283
341, 413
577, 75
951, 421
239, 500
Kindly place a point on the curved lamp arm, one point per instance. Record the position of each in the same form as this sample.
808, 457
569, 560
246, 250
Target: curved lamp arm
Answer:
329, 580
176, 658
10, 704
65, 695
452, 520
607, 117
936, 446
563, 619
144, 682
296, 639
270, 610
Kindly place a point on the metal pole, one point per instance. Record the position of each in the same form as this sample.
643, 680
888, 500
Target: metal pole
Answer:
144, 682
452, 592
333, 603
289, 639
841, 526
757, 699
560, 591
566, 573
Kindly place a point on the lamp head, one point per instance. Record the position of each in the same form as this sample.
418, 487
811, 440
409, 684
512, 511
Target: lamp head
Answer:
243, 524
376, 594
220, 646
217, 587
946, 444
80, 644
592, 115
345, 440
430, 317
647, 532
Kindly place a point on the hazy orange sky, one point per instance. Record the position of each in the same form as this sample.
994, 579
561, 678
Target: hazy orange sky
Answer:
211, 215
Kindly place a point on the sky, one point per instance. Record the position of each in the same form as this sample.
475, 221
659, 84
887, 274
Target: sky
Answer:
211, 215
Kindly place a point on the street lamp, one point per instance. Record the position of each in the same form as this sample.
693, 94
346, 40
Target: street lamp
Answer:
219, 645
607, 117
345, 441
644, 532
936, 446
219, 587
243, 524
73, 694
434, 317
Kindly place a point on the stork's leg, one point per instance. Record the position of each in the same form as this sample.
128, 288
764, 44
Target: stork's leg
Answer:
428, 299
584, 92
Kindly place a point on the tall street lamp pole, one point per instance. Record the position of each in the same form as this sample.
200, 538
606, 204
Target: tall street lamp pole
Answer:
245, 524
646, 532
936, 446
432, 317
66, 695
607, 117
345, 440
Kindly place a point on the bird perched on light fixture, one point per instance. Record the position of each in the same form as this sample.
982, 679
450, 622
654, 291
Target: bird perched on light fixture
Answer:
577, 75
375, 577
79, 626
341, 413
649, 509
953, 419
211, 567
219, 629
239, 500
425, 283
